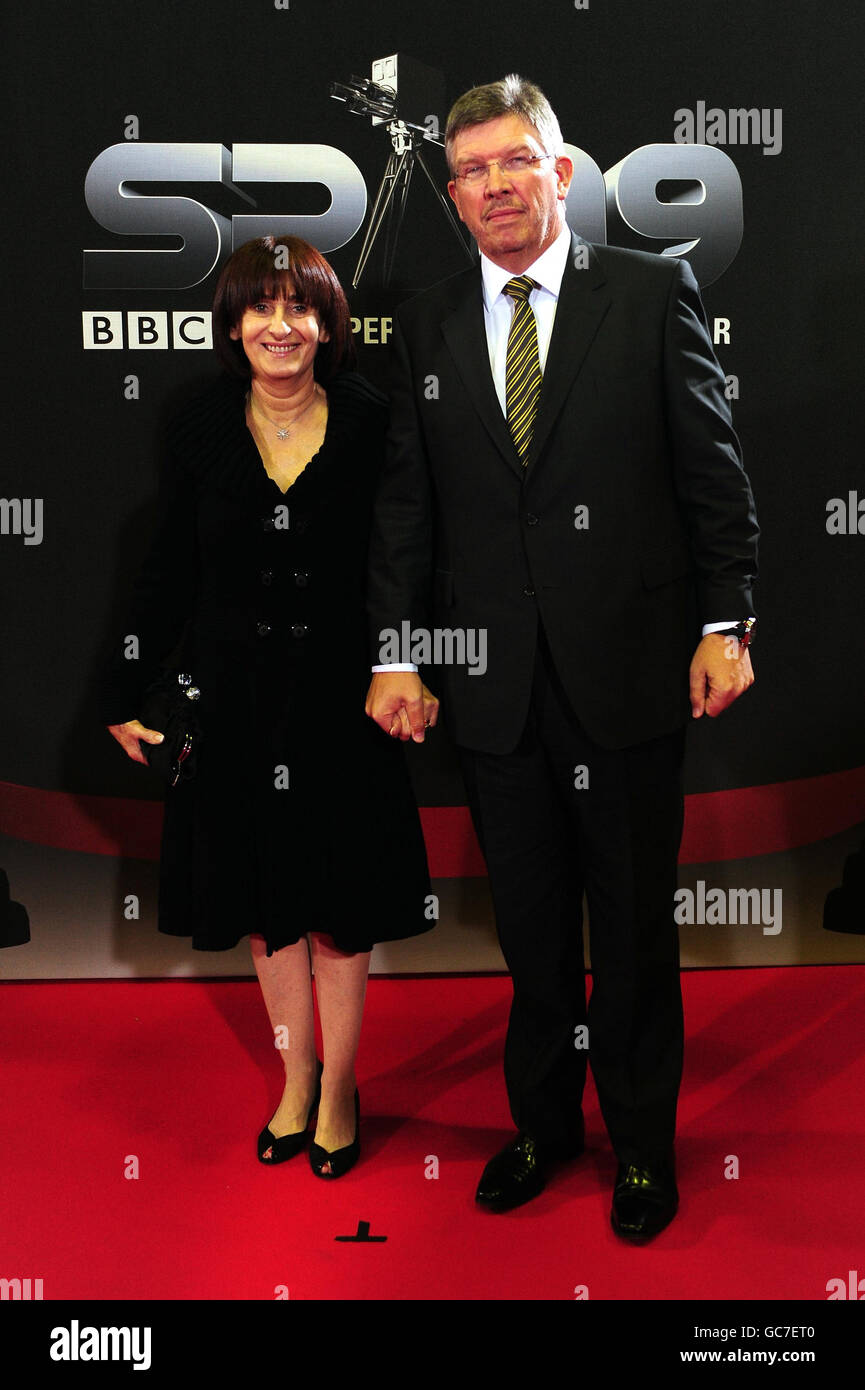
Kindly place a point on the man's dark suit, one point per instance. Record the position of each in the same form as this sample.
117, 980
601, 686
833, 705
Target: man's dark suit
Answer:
590, 632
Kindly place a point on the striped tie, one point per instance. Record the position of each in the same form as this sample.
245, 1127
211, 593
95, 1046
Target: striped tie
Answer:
523, 369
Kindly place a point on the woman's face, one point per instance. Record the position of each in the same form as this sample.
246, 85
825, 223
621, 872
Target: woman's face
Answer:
280, 338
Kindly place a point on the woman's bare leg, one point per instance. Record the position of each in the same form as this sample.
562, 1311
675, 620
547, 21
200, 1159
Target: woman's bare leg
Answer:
340, 986
287, 989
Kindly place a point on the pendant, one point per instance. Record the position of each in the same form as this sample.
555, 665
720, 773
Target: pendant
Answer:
282, 434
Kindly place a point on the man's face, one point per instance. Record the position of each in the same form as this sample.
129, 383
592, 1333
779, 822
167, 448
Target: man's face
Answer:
513, 217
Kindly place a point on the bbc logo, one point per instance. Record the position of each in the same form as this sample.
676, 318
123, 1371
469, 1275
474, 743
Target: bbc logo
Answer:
146, 329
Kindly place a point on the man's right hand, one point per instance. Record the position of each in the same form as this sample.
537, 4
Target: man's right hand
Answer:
401, 705
131, 735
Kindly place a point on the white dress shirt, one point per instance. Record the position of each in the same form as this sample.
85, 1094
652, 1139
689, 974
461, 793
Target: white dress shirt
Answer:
547, 272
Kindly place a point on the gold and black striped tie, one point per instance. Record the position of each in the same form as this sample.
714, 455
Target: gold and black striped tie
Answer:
523, 370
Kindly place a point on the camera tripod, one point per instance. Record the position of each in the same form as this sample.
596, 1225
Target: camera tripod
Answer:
389, 207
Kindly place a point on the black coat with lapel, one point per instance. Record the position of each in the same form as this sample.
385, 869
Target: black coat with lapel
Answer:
632, 426
300, 816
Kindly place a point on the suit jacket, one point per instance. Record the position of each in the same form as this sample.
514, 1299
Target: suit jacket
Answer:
633, 426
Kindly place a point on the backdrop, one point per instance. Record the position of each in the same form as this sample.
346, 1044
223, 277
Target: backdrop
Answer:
148, 139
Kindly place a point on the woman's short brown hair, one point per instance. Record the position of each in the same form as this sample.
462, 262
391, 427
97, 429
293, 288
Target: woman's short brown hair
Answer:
262, 269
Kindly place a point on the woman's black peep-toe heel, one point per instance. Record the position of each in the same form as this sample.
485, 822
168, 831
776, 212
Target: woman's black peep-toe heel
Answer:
288, 1144
340, 1160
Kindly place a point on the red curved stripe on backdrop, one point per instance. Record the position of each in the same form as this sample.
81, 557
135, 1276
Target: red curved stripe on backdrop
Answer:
738, 824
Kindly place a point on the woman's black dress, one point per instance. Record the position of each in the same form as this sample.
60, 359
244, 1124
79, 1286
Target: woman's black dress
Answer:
300, 816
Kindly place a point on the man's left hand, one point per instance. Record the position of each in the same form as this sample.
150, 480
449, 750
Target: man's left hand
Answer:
720, 672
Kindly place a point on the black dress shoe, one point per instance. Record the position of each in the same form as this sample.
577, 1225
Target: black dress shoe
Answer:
519, 1172
645, 1199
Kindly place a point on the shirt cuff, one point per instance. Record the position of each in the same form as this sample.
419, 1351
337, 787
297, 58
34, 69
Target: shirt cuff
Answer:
396, 666
718, 627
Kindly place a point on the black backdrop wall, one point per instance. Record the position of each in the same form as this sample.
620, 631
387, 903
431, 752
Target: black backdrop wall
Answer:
120, 111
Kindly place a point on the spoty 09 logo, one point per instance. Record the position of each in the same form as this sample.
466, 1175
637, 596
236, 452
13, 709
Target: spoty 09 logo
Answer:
685, 200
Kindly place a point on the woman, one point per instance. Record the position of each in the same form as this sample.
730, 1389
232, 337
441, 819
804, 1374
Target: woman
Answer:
299, 827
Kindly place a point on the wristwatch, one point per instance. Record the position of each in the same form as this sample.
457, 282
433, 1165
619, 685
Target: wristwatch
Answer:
744, 631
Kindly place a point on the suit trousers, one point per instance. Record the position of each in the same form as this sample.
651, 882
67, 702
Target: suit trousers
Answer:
556, 818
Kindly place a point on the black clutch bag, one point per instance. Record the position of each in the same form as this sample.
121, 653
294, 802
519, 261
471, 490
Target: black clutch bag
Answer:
169, 705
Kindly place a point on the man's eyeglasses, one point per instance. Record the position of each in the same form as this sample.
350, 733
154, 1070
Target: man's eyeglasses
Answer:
516, 164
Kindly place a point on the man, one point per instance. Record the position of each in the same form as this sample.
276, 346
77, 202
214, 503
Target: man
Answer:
563, 475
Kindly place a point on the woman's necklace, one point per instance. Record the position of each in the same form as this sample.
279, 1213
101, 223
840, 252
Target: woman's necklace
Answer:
282, 431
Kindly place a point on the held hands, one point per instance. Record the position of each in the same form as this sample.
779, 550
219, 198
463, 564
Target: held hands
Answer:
404, 708
131, 735
720, 673
401, 705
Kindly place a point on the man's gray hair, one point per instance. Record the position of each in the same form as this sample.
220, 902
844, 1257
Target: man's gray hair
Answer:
510, 96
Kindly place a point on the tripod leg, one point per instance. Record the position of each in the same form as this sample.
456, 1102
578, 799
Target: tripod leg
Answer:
374, 217
444, 205
387, 187
397, 213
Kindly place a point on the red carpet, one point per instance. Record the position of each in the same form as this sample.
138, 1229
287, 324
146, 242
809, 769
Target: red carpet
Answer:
182, 1075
